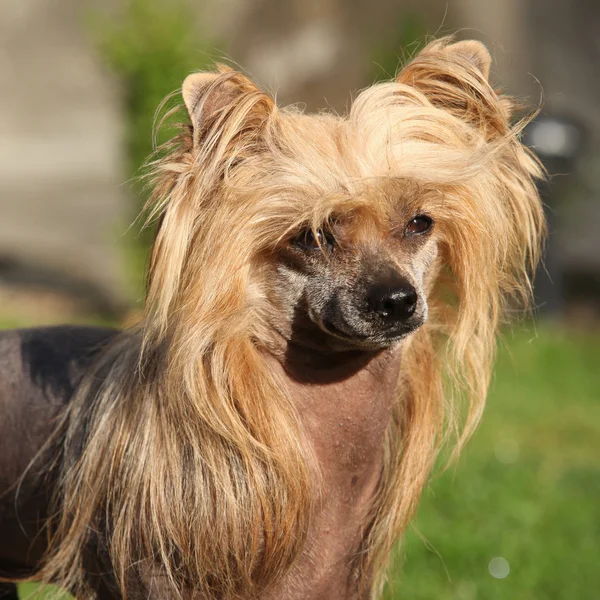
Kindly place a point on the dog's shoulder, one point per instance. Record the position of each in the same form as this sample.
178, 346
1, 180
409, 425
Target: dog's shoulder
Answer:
50, 360
40, 370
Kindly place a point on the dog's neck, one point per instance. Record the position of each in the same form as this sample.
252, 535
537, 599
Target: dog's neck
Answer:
345, 405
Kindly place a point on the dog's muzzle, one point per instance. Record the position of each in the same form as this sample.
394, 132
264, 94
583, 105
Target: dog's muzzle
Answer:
377, 315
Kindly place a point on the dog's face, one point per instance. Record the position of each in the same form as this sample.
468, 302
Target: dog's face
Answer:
332, 230
354, 282
353, 239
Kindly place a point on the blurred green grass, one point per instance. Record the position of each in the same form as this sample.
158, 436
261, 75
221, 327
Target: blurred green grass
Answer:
32, 591
526, 489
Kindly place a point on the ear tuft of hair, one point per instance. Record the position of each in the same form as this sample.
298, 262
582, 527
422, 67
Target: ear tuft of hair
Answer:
473, 51
454, 77
192, 89
211, 96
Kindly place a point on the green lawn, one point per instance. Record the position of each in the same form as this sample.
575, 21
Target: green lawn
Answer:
525, 497
527, 488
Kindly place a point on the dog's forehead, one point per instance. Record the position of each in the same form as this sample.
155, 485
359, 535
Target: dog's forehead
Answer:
386, 137
335, 149
344, 155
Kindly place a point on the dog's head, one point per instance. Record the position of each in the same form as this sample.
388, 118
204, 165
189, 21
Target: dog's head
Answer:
334, 231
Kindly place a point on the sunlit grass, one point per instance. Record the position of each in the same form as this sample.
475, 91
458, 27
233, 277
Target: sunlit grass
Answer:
32, 591
526, 489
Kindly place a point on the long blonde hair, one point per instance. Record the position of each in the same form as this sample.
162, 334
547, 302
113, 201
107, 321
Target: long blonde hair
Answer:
181, 444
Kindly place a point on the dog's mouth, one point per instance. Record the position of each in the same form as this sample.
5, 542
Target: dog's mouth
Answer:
357, 331
375, 339
330, 329
361, 326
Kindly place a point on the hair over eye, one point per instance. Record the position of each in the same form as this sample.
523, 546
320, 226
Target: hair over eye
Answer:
318, 239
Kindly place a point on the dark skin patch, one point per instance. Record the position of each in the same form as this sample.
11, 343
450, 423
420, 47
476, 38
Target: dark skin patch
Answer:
8, 591
39, 371
53, 356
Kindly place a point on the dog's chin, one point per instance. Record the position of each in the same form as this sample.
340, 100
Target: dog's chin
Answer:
369, 337
327, 334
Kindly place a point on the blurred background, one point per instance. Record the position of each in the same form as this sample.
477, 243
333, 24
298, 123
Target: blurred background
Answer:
80, 80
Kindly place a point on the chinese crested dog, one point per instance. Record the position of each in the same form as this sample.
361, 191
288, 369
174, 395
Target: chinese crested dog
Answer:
323, 298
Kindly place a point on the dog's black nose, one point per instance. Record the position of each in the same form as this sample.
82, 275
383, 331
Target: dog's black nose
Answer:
393, 303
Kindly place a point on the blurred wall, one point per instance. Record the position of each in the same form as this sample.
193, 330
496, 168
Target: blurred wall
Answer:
317, 53
564, 45
547, 53
63, 192
61, 151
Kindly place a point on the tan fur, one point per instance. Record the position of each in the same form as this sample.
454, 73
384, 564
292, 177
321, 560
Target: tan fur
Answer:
197, 459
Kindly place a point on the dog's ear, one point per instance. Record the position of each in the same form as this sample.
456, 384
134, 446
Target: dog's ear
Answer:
210, 98
455, 77
193, 89
474, 52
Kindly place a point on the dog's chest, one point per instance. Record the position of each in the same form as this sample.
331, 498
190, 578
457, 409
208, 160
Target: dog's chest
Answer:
345, 422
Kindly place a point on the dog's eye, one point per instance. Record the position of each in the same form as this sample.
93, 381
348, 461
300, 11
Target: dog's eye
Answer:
419, 224
314, 240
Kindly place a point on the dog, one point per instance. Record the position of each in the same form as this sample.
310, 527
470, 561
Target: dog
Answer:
323, 299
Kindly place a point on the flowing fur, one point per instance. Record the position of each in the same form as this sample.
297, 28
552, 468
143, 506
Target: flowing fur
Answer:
193, 458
